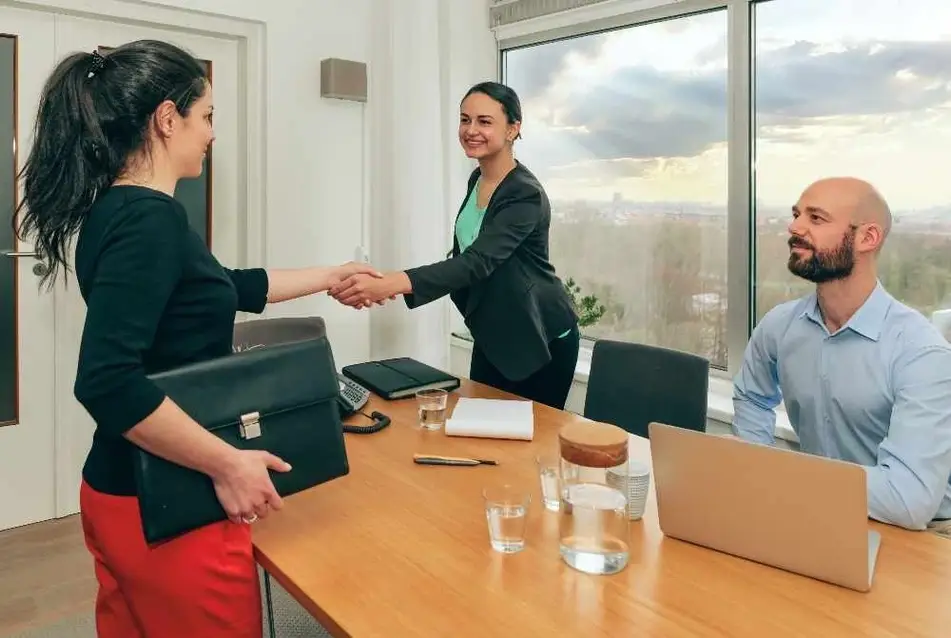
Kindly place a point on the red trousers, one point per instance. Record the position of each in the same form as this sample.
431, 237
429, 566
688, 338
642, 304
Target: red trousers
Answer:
203, 584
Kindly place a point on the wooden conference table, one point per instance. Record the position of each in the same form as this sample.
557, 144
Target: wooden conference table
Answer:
396, 549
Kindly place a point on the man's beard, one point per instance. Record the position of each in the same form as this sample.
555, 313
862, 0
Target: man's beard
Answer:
823, 266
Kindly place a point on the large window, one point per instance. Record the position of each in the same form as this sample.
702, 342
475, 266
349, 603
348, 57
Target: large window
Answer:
627, 131
640, 133
863, 88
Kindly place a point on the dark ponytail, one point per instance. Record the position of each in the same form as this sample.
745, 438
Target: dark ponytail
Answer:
93, 118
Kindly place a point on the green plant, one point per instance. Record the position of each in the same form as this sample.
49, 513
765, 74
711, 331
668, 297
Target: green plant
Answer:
588, 308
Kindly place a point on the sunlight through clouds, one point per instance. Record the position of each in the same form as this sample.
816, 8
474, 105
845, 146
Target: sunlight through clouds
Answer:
857, 87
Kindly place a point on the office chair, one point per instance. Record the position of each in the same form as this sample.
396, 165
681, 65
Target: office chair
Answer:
266, 332
632, 384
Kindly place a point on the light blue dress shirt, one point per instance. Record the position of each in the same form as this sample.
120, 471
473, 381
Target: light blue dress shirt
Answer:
877, 392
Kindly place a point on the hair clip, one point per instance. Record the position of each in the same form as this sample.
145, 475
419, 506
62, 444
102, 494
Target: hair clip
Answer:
98, 62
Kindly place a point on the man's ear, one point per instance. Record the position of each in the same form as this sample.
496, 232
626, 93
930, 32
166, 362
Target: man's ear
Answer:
871, 237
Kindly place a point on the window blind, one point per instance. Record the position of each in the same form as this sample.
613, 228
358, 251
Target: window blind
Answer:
503, 12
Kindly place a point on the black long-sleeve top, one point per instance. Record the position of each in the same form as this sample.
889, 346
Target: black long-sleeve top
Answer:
156, 298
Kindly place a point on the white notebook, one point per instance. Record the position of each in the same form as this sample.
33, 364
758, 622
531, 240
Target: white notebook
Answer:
492, 419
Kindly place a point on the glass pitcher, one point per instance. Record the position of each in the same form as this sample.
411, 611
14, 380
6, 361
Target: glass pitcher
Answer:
594, 523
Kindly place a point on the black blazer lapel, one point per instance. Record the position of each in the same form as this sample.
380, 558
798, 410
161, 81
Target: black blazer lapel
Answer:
478, 291
432, 281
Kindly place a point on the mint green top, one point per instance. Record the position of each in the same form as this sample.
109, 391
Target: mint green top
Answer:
469, 223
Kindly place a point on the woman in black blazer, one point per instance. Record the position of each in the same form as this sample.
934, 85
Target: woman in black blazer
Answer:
524, 327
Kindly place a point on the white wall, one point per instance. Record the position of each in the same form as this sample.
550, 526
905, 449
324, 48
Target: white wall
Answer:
344, 177
314, 146
422, 55
407, 177
427, 53
473, 57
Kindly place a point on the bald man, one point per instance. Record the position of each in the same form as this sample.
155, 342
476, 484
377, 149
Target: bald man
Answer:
864, 378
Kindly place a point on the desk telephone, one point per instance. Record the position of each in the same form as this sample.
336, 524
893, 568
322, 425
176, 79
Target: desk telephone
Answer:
353, 396
351, 400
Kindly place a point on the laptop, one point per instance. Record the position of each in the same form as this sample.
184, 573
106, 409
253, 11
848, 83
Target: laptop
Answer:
802, 513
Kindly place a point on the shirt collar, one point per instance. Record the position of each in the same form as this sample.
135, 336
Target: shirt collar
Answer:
868, 320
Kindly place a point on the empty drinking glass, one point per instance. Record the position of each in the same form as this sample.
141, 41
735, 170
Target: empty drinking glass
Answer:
432, 408
506, 508
549, 480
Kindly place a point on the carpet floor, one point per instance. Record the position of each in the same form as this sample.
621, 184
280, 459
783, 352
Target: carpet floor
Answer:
290, 621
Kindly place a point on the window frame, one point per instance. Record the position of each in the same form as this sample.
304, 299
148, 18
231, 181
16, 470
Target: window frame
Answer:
741, 221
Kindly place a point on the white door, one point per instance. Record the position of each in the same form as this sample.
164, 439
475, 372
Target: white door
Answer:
215, 196
27, 460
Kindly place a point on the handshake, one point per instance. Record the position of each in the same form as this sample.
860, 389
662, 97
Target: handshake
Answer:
360, 285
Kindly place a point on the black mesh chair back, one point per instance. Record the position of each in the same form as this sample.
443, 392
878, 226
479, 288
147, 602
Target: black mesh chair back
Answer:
632, 384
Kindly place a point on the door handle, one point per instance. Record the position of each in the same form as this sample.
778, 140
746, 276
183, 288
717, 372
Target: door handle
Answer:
40, 269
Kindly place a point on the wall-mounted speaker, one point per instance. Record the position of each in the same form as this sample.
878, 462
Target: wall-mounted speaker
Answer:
343, 79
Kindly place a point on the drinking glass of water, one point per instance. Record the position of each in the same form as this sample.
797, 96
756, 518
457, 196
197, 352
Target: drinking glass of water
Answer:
506, 507
549, 480
432, 408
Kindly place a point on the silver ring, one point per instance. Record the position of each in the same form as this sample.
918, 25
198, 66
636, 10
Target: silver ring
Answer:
253, 518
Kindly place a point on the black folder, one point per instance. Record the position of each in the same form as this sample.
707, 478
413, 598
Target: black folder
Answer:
400, 377
281, 398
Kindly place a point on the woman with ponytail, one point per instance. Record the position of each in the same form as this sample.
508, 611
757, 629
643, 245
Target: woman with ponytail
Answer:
114, 134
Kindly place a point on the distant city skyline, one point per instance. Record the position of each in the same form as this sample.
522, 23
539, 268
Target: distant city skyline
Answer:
860, 87
764, 210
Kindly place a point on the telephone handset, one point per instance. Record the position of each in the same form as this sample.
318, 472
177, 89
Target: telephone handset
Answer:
351, 400
352, 397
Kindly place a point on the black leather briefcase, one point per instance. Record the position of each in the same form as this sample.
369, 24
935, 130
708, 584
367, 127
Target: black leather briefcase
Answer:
279, 398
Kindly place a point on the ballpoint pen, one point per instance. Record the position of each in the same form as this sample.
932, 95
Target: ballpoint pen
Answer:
431, 459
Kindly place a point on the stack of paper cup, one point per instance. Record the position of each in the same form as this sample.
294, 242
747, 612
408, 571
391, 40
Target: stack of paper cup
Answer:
635, 486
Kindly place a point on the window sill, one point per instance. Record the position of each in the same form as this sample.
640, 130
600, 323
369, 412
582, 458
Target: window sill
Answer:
719, 397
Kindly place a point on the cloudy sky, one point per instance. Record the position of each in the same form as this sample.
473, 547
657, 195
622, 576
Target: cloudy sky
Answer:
858, 87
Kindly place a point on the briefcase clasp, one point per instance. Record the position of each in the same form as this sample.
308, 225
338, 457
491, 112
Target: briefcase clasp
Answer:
250, 425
